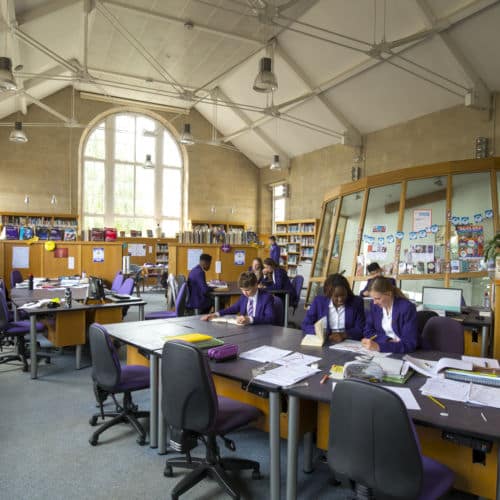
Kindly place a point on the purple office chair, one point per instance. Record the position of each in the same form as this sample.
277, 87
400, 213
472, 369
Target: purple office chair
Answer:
117, 282
180, 307
16, 331
443, 334
193, 411
422, 318
15, 278
297, 283
374, 444
111, 378
127, 287
278, 311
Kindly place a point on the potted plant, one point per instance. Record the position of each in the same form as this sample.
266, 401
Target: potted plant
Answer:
491, 251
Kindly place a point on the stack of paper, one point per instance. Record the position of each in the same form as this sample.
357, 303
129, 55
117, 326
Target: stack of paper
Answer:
432, 368
287, 375
232, 320
356, 346
265, 354
297, 358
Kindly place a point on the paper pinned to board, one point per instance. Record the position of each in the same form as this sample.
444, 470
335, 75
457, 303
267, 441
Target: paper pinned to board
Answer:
21, 257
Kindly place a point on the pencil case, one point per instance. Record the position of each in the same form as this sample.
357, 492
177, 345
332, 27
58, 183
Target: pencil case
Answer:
223, 352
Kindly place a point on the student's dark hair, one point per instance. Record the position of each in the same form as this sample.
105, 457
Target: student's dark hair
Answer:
205, 257
384, 285
247, 280
273, 238
335, 280
259, 260
371, 268
270, 262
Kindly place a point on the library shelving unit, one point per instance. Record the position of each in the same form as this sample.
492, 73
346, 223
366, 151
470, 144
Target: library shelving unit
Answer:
210, 224
38, 223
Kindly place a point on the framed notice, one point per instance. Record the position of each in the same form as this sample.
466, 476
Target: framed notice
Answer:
422, 219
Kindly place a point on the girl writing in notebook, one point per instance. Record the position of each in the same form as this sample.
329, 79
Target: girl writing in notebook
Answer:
344, 311
391, 325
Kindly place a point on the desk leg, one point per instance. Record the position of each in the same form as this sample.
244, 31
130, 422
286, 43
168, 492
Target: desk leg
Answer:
78, 355
308, 452
485, 340
216, 303
497, 496
141, 313
34, 364
292, 448
162, 435
274, 444
287, 303
153, 391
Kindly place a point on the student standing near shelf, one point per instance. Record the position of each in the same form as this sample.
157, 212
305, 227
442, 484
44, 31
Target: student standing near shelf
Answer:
199, 291
275, 250
257, 268
255, 307
276, 278
391, 325
344, 311
373, 271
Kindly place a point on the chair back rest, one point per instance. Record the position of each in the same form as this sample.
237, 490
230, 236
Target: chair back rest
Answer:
277, 311
173, 286
443, 334
297, 283
422, 318
189, 400
180, 278
180, 302
4, 311
117, 281
127, 286
106, 369
372, 440
15, 277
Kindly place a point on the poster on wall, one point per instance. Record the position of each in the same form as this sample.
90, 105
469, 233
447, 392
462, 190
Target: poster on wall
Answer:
98, 254
422, 219
193, 257
470, 241
239, 257
376, 253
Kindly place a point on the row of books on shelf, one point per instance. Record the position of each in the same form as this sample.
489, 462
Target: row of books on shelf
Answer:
295, 228
233, 237
42, 221
307, 253
102, 234
42, 232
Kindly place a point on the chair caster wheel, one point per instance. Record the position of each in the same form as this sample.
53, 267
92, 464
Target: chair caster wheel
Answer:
25, 369
256, 474
93, 421
141, 441
93, 441
168, 472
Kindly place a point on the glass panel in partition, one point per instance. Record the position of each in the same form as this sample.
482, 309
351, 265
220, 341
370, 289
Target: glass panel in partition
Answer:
324, 239
424, 224
347, 233
471, 221
413, 288
473, 289
316, 289
379, 231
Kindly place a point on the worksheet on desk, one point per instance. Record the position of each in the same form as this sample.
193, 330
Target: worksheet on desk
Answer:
287, 375
264, 354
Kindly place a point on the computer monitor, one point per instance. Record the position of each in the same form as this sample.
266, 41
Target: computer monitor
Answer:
442, 299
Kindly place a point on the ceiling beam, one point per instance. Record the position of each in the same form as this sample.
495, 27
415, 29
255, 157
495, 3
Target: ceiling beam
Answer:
177, 20
47, 108
44, 9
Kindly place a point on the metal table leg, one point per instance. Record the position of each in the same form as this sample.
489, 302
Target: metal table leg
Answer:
141, 312
162, 434
78, 355
308, 452
153, 391
485, 340
292, 447
497, 496
274, 444
33, 347
216, 302
287, 303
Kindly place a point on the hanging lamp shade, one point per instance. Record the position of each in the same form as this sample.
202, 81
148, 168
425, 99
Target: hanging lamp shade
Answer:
7, 81
265, 81
276, 165
187, 138
17, 134
148, 163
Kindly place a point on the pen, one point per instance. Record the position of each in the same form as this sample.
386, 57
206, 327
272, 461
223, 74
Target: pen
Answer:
323, 379
437, 402
484, 418
373, 337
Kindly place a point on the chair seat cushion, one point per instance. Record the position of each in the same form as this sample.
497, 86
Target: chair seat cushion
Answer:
133, 378
161, 315
438, 479
233, 414
19, 327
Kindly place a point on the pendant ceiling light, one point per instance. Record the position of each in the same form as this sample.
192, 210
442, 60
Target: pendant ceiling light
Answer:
265, 81
17, 134
7, 81
148, 163
275, 165
187, 138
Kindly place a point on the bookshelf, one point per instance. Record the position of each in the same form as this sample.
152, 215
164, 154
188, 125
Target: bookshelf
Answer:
296, 239
23, 226
226, 226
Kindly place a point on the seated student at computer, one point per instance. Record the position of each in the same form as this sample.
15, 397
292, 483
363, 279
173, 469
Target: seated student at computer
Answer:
391, 324
276, 278
255, 306
373, 271
344, 311
257, 268
199, 291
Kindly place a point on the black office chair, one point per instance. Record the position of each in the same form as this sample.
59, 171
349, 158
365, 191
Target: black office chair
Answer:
422, 318
193, 411
278, 311
443, 334
373, 443
111, 378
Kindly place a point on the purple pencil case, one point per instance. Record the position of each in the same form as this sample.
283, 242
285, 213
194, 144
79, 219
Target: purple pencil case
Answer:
223, 352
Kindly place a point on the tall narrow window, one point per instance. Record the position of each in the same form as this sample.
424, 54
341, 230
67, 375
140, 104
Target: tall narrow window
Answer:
279, 203
120, 188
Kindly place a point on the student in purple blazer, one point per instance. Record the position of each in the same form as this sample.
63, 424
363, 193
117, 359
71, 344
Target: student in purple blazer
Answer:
344, 311
257, 268
373, 270
199, 291
254, 307
391, 325
276, 278
275, 250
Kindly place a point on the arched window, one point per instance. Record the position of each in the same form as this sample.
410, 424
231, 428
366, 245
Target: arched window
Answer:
132, 176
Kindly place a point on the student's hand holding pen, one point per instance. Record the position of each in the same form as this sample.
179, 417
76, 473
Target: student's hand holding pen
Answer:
243, 320
208, 317
369, 343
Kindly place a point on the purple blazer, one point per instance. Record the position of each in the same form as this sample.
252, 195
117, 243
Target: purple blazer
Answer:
281, 282
199, 291
404, 324
275, 253
264, 314
354, 316
369, 282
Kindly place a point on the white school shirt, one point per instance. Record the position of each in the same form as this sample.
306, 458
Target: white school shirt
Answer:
387, 324
336, 317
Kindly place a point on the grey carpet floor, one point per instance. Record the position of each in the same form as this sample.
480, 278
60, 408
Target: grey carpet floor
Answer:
44, 449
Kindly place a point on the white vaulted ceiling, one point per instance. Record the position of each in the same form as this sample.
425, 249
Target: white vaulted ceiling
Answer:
344, 67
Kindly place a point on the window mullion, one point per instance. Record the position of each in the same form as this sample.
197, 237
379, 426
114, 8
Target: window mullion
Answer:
109, 168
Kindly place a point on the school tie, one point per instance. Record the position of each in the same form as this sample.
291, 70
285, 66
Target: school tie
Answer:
250, 308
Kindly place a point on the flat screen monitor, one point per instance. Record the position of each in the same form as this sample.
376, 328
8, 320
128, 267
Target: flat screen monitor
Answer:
442, 299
